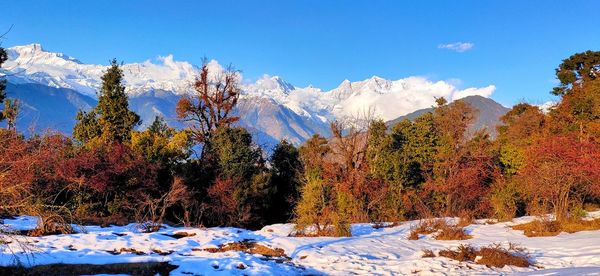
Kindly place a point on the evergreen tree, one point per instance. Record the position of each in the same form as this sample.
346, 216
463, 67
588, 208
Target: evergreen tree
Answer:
286, 169
238, 160
380, 153
577, 69
111, 118
87, 126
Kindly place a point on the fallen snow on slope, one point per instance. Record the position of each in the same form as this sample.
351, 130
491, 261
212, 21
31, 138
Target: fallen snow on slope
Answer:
369, 251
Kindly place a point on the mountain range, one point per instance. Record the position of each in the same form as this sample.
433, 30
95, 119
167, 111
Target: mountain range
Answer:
52, 86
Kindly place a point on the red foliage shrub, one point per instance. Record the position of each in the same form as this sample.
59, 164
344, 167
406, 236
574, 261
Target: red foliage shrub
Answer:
222, 202
559, 168
113, 174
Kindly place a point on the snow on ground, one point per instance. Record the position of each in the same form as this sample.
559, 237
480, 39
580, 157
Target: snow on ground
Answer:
370, 251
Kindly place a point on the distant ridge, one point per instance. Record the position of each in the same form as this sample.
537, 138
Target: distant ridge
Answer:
488, 116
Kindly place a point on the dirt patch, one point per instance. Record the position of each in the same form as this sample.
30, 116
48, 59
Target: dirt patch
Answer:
180, 235
160, 268
250, 247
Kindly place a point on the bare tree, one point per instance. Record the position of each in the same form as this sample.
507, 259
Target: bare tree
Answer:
210, 107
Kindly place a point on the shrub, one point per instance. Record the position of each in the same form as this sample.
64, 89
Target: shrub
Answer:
545, 227
496, 256
462, 253
561, 170
443, 230
427, 253
452, 232
506, 199
492, 256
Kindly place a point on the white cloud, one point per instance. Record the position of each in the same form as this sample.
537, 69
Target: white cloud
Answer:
457, 46
547, 106
391, 99
472, 91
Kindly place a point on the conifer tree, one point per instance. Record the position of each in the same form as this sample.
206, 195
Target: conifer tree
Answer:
111, 119
286, 168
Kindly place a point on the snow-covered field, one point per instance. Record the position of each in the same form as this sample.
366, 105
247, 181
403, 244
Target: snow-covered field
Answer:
370, 251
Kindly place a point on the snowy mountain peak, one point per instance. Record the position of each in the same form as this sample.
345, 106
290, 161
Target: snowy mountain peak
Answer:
267, 82
35, 53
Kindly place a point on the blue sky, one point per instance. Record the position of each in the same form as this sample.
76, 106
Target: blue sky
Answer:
515, 44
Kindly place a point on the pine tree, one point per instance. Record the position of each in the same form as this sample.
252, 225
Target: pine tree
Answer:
87, 126
286, 169
111, 119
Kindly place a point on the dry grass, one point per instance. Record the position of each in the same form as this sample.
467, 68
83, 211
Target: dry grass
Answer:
462, 254
162, 268
413, 235
118, 220
127, 250
451, 232
491, 256
546, 228
466, 218
50, 225
465, 221
444, 230
250, 247
591, 207
496, 256
427, 253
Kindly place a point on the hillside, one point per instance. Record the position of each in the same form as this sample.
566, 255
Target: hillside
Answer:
488, 114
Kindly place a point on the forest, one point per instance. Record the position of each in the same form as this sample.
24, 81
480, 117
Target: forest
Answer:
213, 174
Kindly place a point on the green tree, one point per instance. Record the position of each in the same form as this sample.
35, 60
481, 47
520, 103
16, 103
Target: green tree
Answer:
238, 160
162, 144
577, 69
315, 204
286, 169
380, 152
236, 156
522, 126
111, 119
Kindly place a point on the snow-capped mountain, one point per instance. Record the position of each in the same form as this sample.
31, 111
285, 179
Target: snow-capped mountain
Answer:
271, 107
